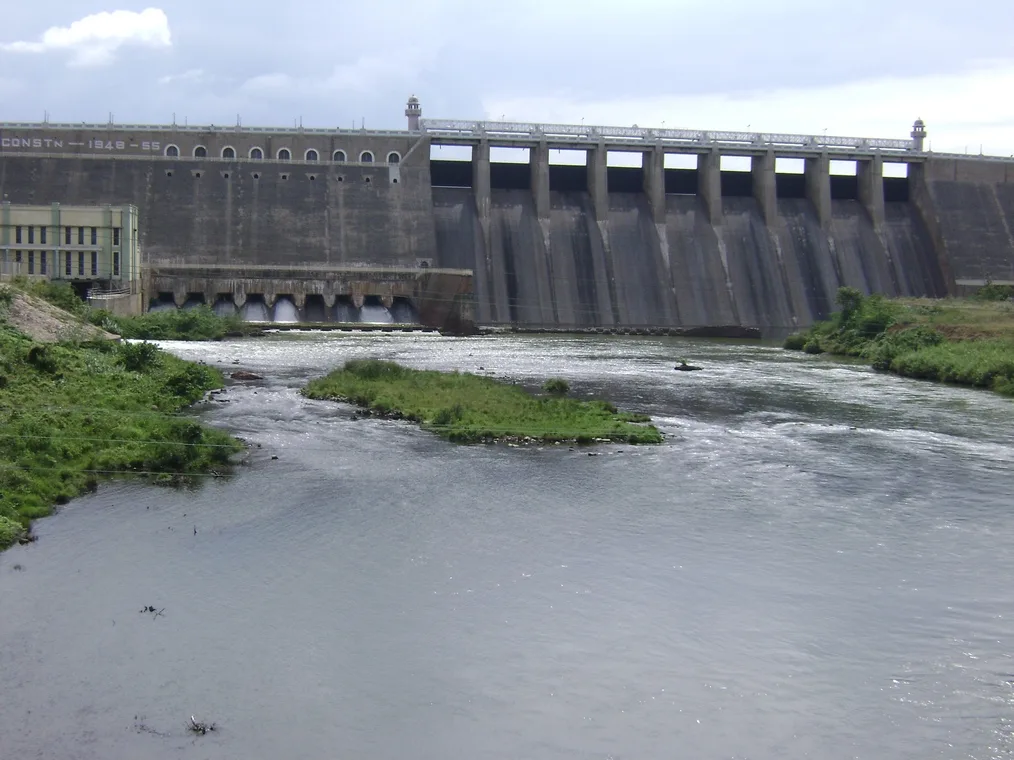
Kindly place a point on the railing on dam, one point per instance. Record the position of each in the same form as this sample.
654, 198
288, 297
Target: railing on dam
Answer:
528, 132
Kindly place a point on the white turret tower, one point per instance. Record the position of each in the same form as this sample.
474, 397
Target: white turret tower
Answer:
414, 112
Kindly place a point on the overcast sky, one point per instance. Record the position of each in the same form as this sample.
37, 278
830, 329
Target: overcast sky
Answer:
868, 67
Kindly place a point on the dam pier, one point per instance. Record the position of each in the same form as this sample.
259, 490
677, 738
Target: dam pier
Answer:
701, 230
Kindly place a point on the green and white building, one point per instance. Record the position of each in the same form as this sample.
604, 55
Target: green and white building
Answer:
91, 247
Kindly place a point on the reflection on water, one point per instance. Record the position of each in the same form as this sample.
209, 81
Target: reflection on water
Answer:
817, 563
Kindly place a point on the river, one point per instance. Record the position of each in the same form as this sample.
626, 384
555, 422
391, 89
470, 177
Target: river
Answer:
816, 564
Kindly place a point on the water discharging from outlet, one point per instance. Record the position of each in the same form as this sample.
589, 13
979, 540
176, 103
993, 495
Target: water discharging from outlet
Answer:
286, 311
224, 308
377, 315
255, 311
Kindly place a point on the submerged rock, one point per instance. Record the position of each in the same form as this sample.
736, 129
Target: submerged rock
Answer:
244, 375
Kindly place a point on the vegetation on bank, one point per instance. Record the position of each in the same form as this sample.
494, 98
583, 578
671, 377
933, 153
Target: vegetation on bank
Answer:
72, 413
200, 323
962, 341
467, 408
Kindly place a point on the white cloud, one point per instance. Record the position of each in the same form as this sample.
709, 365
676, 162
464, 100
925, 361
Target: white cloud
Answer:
190, 75
265, 83
95, 39
962, 111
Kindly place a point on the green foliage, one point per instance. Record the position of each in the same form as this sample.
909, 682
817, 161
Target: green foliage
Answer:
883, 351
6, 298
72, 413
468, 408
200, 323
59, 294
556, 386
970, 342
139, 357
795, 342
10, 532
993, 292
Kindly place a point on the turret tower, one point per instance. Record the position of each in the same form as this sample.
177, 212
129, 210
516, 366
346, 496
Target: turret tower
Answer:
919, 135
414, 112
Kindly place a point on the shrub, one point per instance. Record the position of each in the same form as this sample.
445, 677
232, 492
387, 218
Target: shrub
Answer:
41, 357
190, 382
373, 369
993, 292
556, 386
795, 342
890, 345
813, 347
10, 531
60, 294
139, 357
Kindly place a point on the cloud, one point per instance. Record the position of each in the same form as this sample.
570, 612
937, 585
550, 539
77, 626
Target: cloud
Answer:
190, 75
962, 111
95, 39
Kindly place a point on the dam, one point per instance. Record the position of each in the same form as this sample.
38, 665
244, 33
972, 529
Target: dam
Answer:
345, 216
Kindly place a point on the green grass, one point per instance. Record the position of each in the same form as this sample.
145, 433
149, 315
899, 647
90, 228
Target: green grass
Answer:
467, 408
71, 414
961, 341
200, 323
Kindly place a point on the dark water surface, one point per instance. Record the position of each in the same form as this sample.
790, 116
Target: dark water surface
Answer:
817, 564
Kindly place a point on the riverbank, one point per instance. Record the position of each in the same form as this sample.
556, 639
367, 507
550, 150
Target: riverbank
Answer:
467, 408
960, 341
73, 412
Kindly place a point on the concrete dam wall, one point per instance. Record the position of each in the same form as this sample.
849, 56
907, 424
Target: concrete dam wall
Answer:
532, 244
626, 270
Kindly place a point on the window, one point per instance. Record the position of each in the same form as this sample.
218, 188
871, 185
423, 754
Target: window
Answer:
256, 154
42, 235
393, 157
312, 155
116, 263
17, 257
339, 156
80, 263
229, 153
31, 234
42, 262
116, 235
200, 152
80, 237
66, 235
31, 262
69, 270
95, 263
366, 157
95, 236
172, 151
283, 154
17, 234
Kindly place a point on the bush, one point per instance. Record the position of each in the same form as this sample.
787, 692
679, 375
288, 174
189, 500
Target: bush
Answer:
891, 345
60, 294
795, 342
139, 357
10, 532
556, 386
373, 369
41, 357
993, 292
812, 347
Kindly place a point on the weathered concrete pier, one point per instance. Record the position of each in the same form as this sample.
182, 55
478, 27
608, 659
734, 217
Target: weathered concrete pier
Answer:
353, 214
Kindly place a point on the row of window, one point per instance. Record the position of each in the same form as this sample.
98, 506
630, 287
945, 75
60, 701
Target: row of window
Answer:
67, 234
284, 154
43, 260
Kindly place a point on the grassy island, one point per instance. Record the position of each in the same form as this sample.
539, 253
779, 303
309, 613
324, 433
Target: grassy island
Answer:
467, 408
74, 412
962, 341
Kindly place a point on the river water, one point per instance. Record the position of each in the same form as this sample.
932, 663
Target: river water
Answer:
816, 564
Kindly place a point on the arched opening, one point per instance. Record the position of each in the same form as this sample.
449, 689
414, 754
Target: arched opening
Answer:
229, 152
200, 152
284, 154
339, 156
172, 151
393, 157
366, 157
256, 154
312, 155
